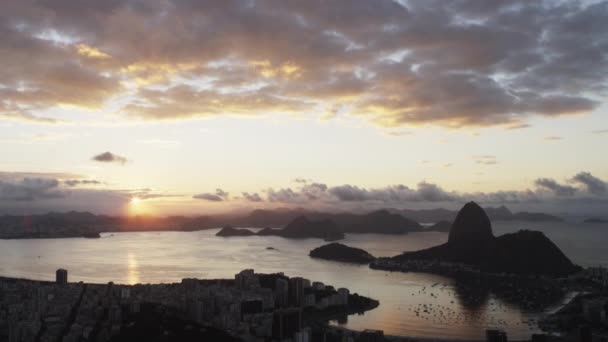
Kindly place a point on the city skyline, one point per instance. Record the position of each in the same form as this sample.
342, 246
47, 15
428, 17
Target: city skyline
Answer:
181, 107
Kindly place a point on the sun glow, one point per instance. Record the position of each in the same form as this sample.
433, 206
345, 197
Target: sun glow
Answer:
135, 200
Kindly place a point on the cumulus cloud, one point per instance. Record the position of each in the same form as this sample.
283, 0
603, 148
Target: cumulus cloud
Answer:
591, 183
77, 182
219, 196
30, 189
558, 189
393, 63
109, 157
547, 190
253, 197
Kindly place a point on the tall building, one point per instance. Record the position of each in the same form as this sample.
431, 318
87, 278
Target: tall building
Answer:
246, 280
281, 293
496, 336
61, 276
251, 307
584, 332
286, 323
371, 336
296, 291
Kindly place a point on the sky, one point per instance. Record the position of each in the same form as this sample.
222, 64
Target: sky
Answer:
194, 107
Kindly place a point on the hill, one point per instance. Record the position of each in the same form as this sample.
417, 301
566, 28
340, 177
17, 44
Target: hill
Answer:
339, 252
472, 242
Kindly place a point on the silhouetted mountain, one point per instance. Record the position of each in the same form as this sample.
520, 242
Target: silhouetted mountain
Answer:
302, 227
230, 231
339, 252
441, 226
260, 218
428, 215
471, 227
267, 232
530, 252
501, 213
535, 217
382, 222
472, 242
595, 220
391, 221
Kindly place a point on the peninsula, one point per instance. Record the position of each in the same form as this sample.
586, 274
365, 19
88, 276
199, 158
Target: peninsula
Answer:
471, 242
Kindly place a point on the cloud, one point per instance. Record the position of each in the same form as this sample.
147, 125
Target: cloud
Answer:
600, 131
393, 63
553, 137
592, 184
253, 197
547, 191
425, 192
30, 189
27, 117
558, 189
208, 197
76, 182
485, 160
219, 196
109, 157
146, 194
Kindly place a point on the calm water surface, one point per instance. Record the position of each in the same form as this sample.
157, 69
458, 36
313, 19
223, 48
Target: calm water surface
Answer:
412, 304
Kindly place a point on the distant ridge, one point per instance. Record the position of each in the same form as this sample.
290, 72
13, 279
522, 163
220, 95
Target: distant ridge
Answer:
384, 221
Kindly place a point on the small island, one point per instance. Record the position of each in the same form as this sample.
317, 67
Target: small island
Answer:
339, 252
230, 231
596, 220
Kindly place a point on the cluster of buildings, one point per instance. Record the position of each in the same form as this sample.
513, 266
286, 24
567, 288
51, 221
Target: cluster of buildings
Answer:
598, 275
253, 307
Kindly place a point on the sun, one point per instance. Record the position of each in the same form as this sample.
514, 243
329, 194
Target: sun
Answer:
135, 200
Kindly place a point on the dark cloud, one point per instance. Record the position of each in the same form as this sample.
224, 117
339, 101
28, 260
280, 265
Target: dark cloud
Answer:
76, 182
208, 197
253, 197
286, 195
591, 183
219, 196
109, 157
425, 192
349, 193
547, 190
558, 189
30, 189
462, 63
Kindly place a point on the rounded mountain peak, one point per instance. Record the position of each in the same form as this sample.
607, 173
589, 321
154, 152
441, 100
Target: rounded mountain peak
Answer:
472, 226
